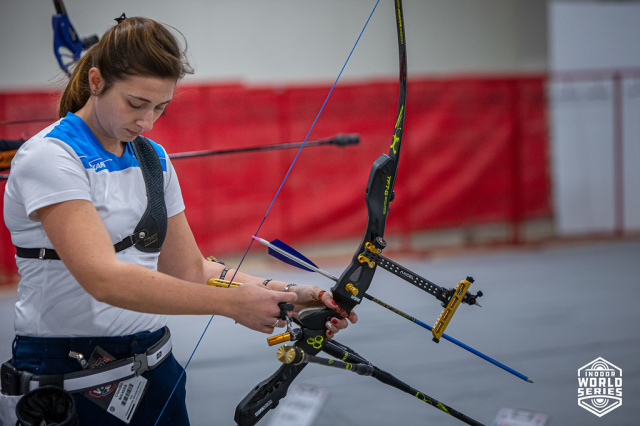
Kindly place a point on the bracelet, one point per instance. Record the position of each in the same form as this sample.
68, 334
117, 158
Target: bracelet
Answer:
265, 282
224, 273
289, 286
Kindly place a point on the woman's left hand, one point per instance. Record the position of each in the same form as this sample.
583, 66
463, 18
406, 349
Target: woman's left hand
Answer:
312, 296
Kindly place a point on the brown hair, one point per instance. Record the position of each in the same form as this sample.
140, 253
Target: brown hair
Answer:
134, 46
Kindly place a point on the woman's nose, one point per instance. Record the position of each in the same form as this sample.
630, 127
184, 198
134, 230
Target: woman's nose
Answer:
146, 121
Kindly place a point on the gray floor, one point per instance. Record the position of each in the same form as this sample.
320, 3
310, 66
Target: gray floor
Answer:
546, 312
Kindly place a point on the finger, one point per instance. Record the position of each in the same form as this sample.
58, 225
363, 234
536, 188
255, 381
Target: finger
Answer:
339, 324
288, 297
265, 329
335, 325
331, 329
328, 301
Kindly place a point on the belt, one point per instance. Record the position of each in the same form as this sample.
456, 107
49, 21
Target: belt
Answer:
37, 253
16, 382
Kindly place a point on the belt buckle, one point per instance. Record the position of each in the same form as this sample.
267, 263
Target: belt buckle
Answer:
140, 364
41, 255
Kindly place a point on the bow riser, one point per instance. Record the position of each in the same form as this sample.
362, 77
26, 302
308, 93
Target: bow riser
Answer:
356, 278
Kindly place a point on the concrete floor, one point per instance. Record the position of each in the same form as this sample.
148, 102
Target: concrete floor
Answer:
546, 311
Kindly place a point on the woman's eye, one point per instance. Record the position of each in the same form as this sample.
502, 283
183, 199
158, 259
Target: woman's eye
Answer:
134, 106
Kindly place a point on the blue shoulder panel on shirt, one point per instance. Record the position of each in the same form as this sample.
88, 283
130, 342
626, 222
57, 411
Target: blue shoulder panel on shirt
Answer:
73, 131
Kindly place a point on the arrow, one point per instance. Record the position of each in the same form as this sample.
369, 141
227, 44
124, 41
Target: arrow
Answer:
339, 140
287, 254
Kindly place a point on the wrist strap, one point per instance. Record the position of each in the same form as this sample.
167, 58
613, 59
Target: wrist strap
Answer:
224, 273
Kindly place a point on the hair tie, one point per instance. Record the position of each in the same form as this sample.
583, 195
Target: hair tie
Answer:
121, 18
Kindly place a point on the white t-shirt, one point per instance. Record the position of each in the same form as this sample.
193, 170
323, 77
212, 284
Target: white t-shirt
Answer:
65, 162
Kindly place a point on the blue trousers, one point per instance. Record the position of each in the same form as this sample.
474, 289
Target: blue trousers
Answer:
50, 355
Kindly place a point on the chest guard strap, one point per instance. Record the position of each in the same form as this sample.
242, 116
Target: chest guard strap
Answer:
152, 228
150, 232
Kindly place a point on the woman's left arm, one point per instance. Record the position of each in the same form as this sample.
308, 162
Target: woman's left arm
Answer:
181, 257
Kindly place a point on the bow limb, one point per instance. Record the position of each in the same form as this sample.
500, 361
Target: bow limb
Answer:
356, 278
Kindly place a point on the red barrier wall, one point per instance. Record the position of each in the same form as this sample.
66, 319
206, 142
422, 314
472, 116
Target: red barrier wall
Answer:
474, 151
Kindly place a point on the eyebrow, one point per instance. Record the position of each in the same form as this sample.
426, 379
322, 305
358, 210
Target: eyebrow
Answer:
147, 100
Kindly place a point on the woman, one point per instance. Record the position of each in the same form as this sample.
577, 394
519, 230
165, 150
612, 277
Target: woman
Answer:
75, 192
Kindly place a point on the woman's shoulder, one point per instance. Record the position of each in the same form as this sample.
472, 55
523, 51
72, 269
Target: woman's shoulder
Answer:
42, 148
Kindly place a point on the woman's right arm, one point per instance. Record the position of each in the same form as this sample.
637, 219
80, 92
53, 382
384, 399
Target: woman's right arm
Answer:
83, 244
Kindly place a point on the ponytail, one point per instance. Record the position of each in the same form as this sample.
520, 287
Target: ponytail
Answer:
77, 92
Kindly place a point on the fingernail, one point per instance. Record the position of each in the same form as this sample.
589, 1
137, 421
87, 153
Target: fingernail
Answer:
329, 333
334, 321
334, 303
328, 324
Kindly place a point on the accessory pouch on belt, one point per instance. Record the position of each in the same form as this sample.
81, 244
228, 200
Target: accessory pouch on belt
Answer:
48, 405
151, 230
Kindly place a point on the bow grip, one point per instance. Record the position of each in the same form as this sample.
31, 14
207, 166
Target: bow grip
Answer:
267, 394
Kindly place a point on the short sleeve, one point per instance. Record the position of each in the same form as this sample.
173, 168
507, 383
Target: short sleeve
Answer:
46, 172
172, 192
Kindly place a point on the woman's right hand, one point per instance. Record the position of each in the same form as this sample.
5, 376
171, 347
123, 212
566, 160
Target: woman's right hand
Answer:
256, 307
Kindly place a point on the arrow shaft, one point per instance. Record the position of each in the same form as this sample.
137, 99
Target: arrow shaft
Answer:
340, 140
449, 338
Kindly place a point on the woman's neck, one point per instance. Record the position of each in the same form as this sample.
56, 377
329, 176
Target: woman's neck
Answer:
109, 143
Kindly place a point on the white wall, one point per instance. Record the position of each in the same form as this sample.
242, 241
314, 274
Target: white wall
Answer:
269, 41
587, 194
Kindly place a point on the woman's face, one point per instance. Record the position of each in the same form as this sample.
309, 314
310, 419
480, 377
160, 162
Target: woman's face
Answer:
131, 106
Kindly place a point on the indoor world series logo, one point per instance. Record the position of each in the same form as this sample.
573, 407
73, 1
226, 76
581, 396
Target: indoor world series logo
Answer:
599, 387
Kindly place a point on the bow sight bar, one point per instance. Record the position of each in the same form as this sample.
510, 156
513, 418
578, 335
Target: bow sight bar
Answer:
450, 298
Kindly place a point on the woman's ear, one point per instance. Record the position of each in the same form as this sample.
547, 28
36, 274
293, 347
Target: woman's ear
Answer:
96, 82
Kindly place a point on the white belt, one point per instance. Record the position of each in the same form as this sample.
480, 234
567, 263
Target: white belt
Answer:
112, 372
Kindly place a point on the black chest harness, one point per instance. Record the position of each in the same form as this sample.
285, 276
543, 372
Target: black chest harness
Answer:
150, 232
